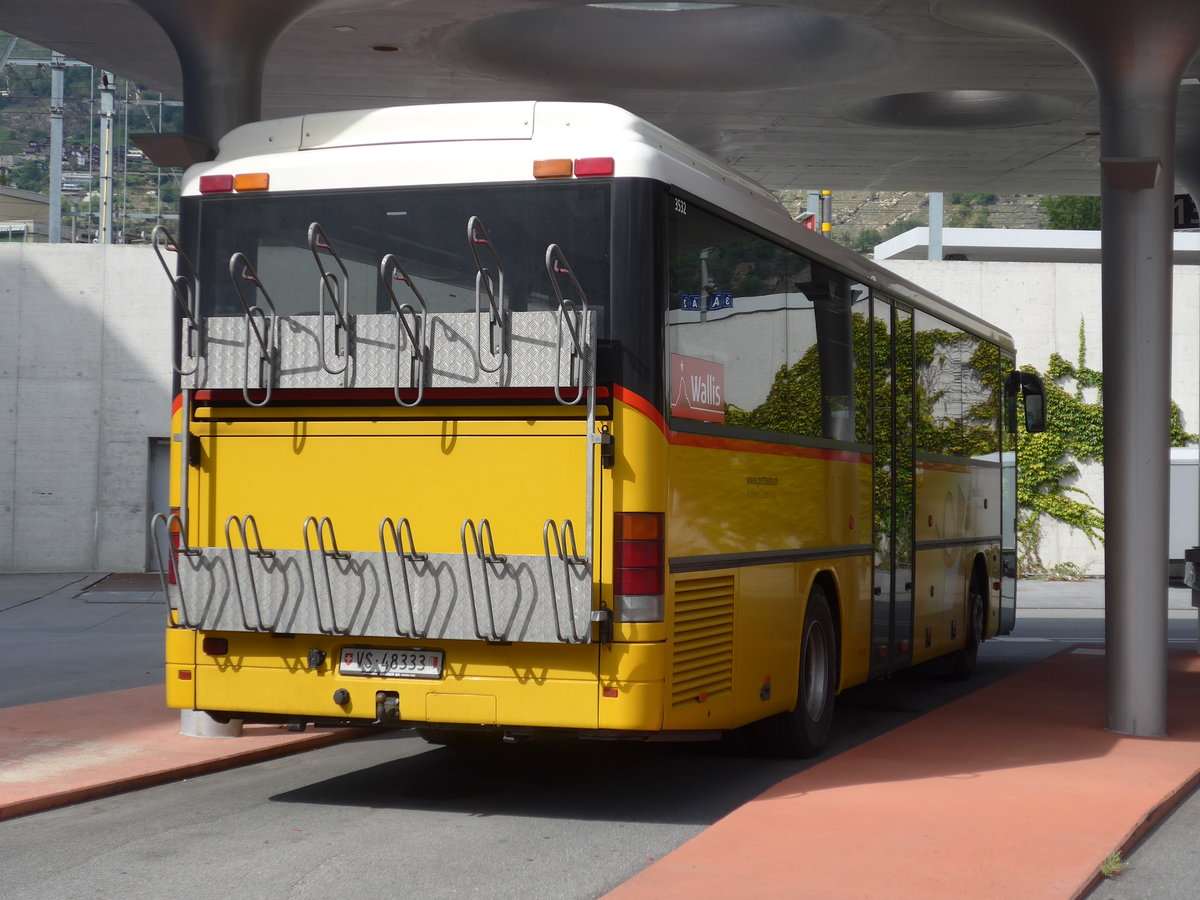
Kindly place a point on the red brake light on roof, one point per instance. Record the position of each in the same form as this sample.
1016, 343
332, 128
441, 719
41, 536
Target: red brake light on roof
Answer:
216, 184
594, 165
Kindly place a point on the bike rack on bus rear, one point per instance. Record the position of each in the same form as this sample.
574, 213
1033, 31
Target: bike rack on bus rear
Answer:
390, 270
477, 238
166, 567
258, 552
487, 558
571, 313
266, 337
397, 529
326, 554
474, 591
567, 553
338, 291
185, 288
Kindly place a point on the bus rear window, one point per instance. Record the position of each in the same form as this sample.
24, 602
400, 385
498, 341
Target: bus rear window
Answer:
426, 230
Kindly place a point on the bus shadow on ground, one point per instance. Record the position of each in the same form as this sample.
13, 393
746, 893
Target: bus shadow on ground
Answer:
664, 783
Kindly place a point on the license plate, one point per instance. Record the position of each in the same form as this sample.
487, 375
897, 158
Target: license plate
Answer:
412, 662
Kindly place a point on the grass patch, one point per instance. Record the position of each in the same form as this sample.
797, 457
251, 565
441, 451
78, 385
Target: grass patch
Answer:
1112, 866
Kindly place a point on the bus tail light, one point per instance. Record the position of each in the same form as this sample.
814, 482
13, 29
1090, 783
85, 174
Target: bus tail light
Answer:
639, 557
227, 184
587, 167
216, 184
594, 166
173, 526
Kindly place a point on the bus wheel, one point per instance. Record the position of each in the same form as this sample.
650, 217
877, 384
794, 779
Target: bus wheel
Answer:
803, 732
963, 664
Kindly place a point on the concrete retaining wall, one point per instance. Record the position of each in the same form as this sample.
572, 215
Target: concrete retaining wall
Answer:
85, 385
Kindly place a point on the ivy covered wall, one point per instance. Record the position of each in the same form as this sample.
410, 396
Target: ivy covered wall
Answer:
1052, 311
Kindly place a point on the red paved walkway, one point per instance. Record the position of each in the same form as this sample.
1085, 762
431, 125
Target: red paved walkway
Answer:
56, 753
1015, 791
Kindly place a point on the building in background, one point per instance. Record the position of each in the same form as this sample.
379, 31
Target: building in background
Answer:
24, 217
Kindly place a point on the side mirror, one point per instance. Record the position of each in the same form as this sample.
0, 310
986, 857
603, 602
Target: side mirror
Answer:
1030, 387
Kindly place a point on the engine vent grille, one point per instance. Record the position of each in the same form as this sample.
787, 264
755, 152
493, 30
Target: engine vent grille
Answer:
702, 653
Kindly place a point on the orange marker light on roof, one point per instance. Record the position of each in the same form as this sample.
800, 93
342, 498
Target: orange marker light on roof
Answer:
254, 181
594, 165
551, 168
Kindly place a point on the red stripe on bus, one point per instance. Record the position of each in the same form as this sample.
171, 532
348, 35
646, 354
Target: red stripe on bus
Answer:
177, 404
343, 396
707, 442
640, 404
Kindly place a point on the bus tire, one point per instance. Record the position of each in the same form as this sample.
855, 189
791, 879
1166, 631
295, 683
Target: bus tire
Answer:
804, 731
963, 661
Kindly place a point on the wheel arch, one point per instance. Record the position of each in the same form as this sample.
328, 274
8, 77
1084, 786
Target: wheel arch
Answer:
979, 578
827, 580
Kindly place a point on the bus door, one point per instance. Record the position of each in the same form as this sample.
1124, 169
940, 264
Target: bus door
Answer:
1008, 518
893, 488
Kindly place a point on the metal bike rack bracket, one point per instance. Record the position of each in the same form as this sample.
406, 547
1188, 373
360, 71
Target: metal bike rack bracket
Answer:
338, 292
267, 337
487, 558
493, 288
398, 529
417, 332
321, 525
258, 552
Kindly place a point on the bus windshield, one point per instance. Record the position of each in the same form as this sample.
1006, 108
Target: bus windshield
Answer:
426, 230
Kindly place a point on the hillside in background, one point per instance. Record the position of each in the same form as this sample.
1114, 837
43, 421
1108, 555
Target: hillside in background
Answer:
143, 193
862, 219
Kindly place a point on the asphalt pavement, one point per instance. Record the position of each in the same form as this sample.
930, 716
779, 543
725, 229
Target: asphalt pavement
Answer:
79, 635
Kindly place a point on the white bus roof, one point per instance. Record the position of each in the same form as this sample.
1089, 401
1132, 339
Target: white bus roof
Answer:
489, 143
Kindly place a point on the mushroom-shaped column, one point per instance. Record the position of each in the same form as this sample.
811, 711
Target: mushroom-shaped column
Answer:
1136, 54
222, 47
1187, 144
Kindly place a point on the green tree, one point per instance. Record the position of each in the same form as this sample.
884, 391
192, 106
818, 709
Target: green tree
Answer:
1072, 213
31, 176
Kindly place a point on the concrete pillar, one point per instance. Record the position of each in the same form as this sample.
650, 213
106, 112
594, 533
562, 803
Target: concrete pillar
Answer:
1136, 54
57, 65
1137, 194
223, 47
1187, 144
936, 217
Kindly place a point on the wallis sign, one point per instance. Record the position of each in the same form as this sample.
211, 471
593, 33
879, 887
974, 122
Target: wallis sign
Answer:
697, 389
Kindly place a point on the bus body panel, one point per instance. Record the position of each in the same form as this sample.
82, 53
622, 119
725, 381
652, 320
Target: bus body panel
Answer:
753, 519
957, 522
516, 474
732, 497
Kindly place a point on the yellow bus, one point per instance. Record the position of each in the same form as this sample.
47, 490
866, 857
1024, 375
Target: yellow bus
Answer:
509, 418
